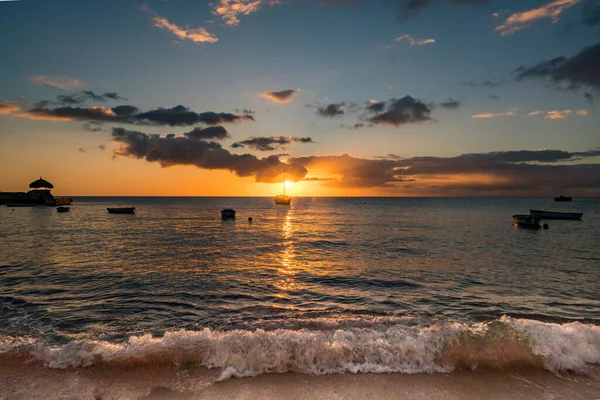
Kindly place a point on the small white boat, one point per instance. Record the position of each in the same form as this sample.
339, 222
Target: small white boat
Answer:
555, 214
121, 210
526, 221
228, 213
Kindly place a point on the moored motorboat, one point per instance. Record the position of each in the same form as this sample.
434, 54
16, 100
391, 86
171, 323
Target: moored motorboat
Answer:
228, 213
563, 198
121, 210
541, 214
62, 209
526, 221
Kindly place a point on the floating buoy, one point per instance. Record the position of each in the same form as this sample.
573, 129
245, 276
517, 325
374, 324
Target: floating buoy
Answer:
249, 219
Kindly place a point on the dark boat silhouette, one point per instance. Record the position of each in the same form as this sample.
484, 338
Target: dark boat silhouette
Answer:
526, 221
541, 214
563, 198
121, 210
228, 213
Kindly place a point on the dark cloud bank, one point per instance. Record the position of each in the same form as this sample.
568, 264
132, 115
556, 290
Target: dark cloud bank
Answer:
581, 71
175, 116
509, 172
270, 143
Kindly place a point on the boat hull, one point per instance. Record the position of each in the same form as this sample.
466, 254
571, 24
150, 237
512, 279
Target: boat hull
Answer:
124, 210
555, 215
228, 213
283, 199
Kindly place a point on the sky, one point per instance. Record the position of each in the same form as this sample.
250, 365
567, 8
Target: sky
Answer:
349, 97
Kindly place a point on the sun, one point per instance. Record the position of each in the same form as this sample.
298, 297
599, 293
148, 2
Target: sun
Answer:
289, 184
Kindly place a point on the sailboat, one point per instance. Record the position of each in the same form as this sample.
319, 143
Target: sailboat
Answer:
282, 198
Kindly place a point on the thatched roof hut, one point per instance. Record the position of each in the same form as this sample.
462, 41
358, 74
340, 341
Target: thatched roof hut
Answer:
41, 183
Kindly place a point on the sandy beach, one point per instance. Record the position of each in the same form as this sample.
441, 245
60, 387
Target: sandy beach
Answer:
34, 381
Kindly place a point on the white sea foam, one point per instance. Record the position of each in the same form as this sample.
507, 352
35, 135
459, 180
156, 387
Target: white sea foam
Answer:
399, 348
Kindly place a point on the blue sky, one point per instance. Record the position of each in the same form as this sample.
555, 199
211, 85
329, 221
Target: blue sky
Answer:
335, 52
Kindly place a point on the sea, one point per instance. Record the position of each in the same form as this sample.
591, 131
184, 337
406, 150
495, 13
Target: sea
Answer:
327, 297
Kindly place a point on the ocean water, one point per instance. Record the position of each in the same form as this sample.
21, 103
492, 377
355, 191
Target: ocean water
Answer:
324, 286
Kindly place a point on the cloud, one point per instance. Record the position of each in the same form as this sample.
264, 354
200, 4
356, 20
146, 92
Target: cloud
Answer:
494, 173
271, 143
175, 116
102, 146
82, 150
390, 156
182, 116
229, 10
209, 133
316, 179
60, 82
556, 114
589, 97
534, 113
375, 106
196, 35
100, 114
245, 111
509, 113
9, 107
414, 42
523, 20
355, 126
451, 104
181, 150
282, 97
84, 95
494, 97
406, 110
488, 84
331, 110
580, 71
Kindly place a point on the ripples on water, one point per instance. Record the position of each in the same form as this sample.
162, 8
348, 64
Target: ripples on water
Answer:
357, 262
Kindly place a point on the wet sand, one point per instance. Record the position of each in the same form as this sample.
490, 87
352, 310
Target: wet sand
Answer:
34, 381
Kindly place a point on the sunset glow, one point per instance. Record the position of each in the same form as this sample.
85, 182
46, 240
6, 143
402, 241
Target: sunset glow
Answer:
201, 106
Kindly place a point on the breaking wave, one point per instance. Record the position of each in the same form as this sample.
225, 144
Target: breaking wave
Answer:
503, 343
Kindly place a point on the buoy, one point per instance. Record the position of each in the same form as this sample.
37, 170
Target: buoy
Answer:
545, 226
249, 219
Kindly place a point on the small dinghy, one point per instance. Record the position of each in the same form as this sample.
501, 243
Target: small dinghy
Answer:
62, 209
563, 198
526, 221
121, 210
228, 213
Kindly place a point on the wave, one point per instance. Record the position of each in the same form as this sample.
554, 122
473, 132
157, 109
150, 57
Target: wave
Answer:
502, 343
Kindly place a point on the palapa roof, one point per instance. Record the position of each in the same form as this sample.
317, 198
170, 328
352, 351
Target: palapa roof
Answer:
41, 183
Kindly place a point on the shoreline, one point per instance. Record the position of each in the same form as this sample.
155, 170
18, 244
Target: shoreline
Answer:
31, 381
